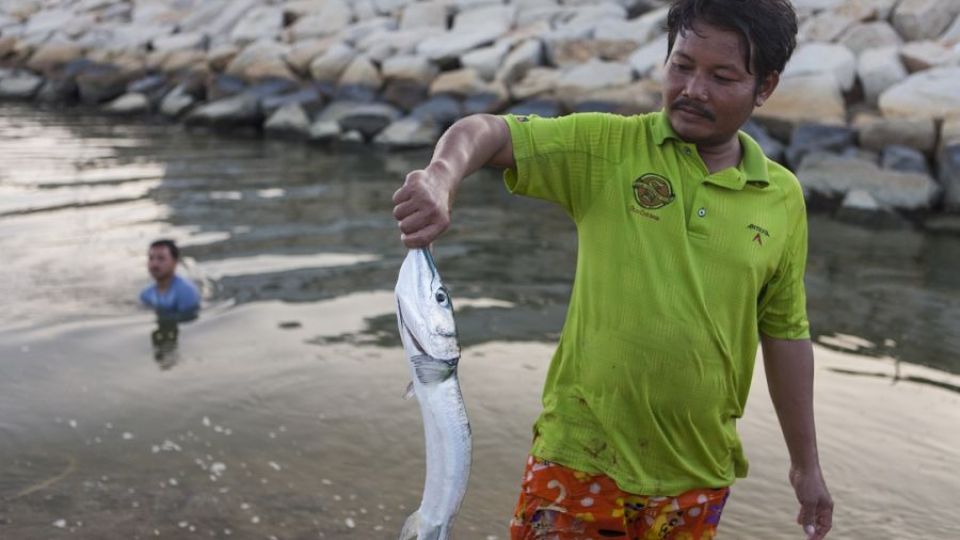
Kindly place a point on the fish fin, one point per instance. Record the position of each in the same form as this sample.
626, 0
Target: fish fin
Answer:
408, 393
411, 527
433, 533
430, 370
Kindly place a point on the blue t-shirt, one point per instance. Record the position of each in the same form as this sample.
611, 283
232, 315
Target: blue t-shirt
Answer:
181, 297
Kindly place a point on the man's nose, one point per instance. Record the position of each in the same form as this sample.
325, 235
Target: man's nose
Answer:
695, 87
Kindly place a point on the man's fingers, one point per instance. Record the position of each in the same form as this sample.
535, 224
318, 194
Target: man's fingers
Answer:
404, 209
402, 194
824, 519
421, 238
414, 222
806, 517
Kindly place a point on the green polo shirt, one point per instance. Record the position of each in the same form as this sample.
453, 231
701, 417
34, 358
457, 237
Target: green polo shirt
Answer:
678, 270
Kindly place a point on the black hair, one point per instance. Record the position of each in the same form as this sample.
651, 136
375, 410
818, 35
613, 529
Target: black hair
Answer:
170, 245
767, 27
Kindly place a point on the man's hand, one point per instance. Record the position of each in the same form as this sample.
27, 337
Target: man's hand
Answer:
816, 506
422, 205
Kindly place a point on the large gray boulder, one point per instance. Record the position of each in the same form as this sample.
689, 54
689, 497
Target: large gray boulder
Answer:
948, 161
369, 119
177, 102
835, 176
449, 46
825, 26
924, 19
288, 121
102, 82
594, 75
52, 57
486, 60
128, 104
871, 35
824, 58
904, 158
876, 133
262, 22
409, 67
302, 53
924, 55
537, 82
242, 110
809, 137
330, 65
525, 56
417, 15
879, 69
927, 94
261, 60
648, 58
335, 15
22, 85
176, 42
409, 132
807, 98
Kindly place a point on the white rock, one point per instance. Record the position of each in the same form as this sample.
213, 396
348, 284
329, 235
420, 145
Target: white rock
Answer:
175, 42
22, 85
824, 58
451, 45
924, 19
860, 199
923, 55
810, 6
264, 22
360, 30
825, 26
538, 81
878, 70
361, 72
216, 17
486, 60
330, 65
335, 16
288, 120
133, 103
871, 35
640, 30
324, 130
409, 67
176, 102
304, 52
594, 75
648, 58
866, 10
951, 37
431, 14
409, 132
876, 133
808, 98
259, 60
927, 94
834, 175
520, 60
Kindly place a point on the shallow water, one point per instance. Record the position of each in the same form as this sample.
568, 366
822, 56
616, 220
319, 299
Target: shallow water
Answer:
278, 413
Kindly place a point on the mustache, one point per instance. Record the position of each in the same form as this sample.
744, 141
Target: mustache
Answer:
694, 107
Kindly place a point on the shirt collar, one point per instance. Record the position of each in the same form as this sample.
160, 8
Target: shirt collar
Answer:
752, 168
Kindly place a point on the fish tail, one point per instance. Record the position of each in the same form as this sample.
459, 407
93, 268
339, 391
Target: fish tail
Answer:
413, 529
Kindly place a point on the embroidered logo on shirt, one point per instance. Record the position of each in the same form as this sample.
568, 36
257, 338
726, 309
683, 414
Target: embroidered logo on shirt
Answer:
653, 191
761, 233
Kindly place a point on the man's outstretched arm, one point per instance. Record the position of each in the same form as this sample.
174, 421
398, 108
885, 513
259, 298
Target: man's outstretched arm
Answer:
423, 203
789, 368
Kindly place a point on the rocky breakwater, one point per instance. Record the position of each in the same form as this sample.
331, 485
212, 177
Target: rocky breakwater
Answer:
867, 113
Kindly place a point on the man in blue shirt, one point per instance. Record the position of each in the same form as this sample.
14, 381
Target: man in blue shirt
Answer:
171, 295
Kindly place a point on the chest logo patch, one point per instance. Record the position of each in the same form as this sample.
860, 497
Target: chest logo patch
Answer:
653, 191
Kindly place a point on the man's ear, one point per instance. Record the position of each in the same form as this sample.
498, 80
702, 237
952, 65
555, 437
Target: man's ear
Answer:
767, 87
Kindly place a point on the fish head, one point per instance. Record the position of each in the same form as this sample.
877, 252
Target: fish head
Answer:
424, 309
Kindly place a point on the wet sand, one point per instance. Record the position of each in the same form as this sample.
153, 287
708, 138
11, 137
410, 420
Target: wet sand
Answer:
267, 428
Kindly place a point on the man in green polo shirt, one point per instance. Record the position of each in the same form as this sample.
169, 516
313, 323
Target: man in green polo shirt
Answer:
691, 252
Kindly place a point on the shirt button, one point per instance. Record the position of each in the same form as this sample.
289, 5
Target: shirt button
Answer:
702, 212
686, 151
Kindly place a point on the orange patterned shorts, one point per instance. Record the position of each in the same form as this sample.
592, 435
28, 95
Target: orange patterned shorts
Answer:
558, 503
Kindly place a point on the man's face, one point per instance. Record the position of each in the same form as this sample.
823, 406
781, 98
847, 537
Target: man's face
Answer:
160, 262
708, 92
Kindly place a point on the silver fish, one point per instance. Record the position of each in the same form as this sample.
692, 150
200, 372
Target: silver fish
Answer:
429, 335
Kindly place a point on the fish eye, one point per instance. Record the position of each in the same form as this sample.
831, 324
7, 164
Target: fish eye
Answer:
441, 298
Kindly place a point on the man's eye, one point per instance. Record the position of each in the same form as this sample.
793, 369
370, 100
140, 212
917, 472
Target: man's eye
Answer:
724, 79
682, 67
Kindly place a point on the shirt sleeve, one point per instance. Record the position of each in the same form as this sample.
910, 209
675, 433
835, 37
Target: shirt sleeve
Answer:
561, 160
188, 298
145, 297
782, 306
